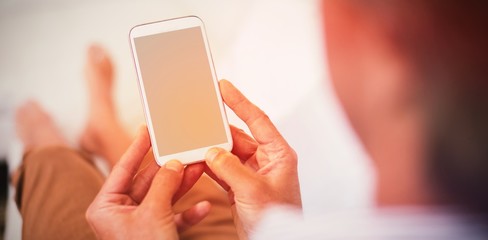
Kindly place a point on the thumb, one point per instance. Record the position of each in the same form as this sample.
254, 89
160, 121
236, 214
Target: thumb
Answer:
228, 168
165, 184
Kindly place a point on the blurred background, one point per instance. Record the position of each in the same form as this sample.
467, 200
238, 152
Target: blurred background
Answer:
273, 50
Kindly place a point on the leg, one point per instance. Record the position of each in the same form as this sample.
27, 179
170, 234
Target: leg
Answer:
104, 134
219, 224
55, 188
55, 184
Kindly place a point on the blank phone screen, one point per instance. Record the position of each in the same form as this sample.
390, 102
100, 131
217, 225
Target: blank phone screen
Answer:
181, 96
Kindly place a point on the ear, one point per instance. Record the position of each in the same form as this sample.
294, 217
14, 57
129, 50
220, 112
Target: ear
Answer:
367, 71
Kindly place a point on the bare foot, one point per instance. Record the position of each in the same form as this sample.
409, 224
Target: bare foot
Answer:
104, 135
99, 77
36, 128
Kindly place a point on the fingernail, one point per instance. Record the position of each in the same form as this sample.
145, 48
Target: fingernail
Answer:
211, 153
174, 165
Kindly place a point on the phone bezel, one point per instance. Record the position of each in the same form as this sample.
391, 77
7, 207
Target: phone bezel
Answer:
174, 24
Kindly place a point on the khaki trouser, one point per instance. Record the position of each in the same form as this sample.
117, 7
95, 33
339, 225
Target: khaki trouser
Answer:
57, 184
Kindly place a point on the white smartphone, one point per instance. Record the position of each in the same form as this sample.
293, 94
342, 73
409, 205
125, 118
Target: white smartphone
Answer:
183, 107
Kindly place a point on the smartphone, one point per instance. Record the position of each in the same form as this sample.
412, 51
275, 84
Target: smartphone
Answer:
179, 89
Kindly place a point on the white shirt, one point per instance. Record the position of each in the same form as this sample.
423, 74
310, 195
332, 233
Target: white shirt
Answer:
387, 223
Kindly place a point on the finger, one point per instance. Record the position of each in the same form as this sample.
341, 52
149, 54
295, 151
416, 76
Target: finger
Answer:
192, 216
244, 146
164, 186
212, 175
258, 122
120, 179
142, 181
191, 175
148, 159
229, 168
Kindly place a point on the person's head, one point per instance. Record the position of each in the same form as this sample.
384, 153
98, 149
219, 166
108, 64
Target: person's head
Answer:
411, 76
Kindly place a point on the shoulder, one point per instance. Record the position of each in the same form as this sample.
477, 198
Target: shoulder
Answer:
392, 223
